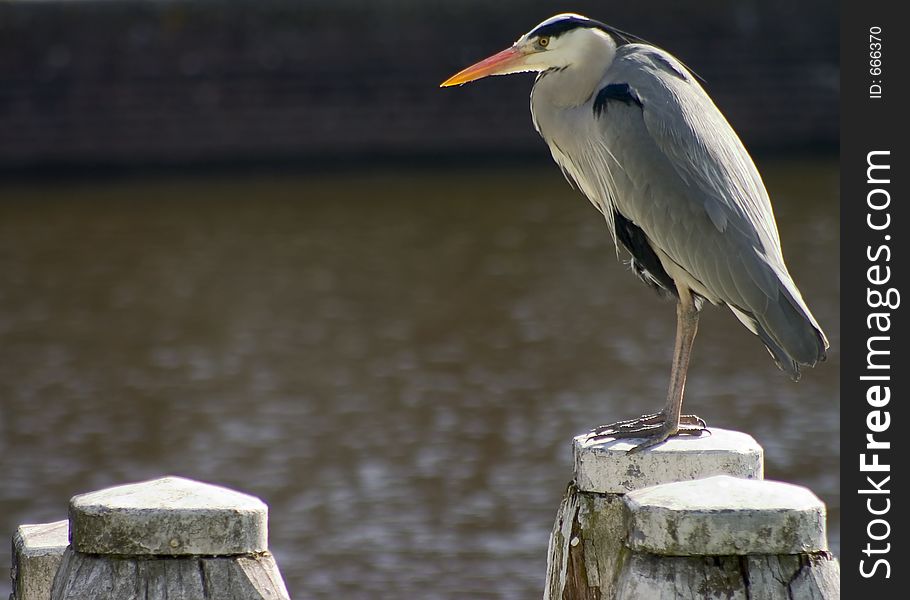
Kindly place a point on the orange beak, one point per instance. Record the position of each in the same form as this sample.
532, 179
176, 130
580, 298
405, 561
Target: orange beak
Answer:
493, 65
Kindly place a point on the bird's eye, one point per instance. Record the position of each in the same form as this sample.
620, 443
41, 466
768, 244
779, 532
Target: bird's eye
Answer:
543, 42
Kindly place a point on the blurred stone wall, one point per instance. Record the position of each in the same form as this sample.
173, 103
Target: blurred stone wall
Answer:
129, 82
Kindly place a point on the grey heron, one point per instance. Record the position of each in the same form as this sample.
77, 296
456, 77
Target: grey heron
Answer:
635, 132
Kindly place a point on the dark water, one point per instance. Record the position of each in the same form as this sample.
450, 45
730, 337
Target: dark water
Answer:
396, 362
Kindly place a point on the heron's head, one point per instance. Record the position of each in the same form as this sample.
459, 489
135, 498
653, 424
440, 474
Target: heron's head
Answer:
559, 42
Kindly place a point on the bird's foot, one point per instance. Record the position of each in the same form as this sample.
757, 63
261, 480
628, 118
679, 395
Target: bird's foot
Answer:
653, 428
641, 425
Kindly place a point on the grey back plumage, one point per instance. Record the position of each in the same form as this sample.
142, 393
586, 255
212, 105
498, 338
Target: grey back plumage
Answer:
650, 146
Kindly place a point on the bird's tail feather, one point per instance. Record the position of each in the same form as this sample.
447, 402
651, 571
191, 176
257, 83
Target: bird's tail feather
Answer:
790, 332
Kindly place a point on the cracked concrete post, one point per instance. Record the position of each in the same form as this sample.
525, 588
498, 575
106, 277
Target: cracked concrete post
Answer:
590, 547
170, 538
724, 537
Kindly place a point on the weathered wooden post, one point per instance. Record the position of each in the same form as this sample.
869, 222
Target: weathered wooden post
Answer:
170, 538
691, 518
37, 553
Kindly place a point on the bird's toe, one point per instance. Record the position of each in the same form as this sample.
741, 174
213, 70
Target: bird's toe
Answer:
653, 428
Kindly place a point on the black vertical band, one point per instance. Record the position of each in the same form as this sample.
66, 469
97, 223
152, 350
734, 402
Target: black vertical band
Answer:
875, 266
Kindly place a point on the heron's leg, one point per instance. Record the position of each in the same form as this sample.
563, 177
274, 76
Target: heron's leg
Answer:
670, 421
686, 328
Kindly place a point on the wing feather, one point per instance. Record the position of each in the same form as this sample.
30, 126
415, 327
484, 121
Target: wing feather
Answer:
703, 194
678, 171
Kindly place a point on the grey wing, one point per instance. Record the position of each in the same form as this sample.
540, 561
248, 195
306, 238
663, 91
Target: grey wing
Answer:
685, 179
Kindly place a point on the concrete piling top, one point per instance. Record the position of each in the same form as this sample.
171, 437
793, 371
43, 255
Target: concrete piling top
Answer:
607, 466
42, 539
725, 515
171, 516
37, 553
